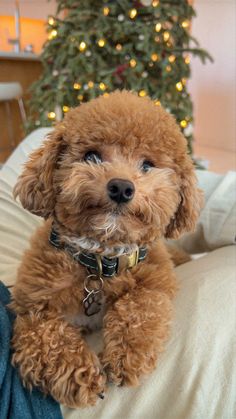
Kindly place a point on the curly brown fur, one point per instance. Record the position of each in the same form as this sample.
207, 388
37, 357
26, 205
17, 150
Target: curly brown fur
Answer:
48, 342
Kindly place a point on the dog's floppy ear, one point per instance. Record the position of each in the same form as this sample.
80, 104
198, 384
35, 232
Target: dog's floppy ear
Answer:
191, 202
35, 185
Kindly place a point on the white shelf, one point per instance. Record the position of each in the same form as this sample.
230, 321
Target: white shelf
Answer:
19, 56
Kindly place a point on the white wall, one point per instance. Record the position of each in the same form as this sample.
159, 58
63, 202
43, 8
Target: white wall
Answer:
213, 85
34, 9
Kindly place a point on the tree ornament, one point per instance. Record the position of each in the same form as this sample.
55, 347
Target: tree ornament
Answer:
141, 37
121, 18
146, 2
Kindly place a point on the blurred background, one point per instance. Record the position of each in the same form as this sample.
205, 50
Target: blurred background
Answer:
26, 25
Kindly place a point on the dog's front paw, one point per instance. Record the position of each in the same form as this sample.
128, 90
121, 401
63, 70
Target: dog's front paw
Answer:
123, 368
82, 388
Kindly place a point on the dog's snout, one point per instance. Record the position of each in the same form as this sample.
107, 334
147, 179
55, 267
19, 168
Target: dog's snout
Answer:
120, 190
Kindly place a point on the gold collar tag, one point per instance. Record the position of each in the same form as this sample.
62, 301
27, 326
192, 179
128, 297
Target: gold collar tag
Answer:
128, 261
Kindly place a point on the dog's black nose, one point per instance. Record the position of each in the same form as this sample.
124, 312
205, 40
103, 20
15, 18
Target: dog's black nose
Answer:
120, 190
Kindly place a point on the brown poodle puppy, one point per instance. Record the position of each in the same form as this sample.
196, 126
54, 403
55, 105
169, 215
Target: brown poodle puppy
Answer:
112, 180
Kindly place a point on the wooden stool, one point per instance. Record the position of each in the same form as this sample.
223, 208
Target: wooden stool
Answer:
8, 92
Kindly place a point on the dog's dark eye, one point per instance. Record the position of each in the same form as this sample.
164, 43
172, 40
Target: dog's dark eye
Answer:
146, 166
93, 157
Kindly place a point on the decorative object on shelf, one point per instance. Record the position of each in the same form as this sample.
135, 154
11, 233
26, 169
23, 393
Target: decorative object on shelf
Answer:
140, 45
16, 41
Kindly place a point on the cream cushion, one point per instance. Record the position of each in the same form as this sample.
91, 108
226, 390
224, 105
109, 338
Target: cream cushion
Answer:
196, 375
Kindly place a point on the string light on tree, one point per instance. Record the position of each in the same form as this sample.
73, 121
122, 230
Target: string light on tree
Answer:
142, 93
52, 34
133, 63
168, 68
80, 97
102, 86
187, 59
155, 57
133, 13
105, 94
157, 102
65, 108
119, 47
185, 24
183, 123
90, 84
51, 115
172, 58
158, 27
106, 11
101, 42
77, 86
155, 3
51, 21
82, 46
179, 86
166, 36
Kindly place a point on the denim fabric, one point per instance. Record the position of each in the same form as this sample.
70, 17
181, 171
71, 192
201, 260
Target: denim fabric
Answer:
16, 402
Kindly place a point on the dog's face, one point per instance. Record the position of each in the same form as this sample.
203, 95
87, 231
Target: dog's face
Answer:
115, 171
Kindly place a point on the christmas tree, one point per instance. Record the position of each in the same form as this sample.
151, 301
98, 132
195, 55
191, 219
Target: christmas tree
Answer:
95, 47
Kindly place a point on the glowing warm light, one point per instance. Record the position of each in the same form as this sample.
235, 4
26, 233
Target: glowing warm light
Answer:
183, 123
106, 11
119, 47
187, 60
184, 81
51, 115
77, 86
179, 86
101, 43
65, 108
172, 58
155, 3
155, 57
185, 24
105, 94
133, 63
80, 97
52, 34
157, 102
168, 68
82, 46
132, 13
166, 36
142, 93
102, 86
158, 27
51, 21
90, 84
